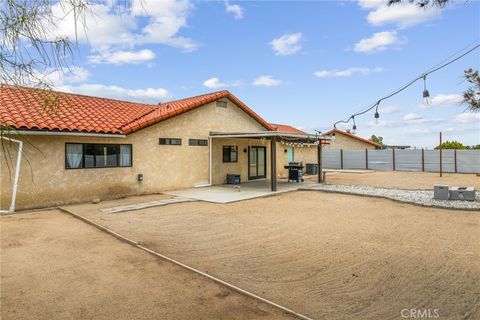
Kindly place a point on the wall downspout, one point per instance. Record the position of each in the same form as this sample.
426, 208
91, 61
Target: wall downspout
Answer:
17, 173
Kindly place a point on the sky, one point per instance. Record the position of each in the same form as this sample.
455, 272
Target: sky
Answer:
303, 63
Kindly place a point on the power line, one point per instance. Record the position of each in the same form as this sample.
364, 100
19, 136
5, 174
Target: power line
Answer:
423, 76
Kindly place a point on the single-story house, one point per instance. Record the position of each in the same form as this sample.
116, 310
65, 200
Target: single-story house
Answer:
90, 147
348, 141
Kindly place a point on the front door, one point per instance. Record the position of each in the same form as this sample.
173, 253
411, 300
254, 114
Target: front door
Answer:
257, 162
290, 154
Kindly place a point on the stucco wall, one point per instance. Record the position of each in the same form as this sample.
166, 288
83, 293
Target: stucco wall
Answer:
345, 142
44, 181
221, 169
304, 154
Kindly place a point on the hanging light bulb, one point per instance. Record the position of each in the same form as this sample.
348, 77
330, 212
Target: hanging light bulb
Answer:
354, 128
377, 115
333, 135
426, 94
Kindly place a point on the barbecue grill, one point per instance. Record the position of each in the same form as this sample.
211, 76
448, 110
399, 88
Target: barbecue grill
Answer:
295, 172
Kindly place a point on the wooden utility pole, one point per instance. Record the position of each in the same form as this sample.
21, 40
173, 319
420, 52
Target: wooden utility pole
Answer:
423, 160
393, 159
366, 158
273, 163
319, 158
440, 149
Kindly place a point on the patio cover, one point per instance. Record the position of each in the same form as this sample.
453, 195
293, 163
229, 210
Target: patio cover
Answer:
275, 136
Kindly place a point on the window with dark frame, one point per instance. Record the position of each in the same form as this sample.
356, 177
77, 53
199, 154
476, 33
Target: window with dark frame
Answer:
198, 142
170, 141
221, 104
90, 155
230, 154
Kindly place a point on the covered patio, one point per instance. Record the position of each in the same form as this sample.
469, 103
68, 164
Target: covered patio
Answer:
268, 141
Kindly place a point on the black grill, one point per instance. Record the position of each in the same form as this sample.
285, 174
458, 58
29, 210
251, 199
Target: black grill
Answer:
295, 172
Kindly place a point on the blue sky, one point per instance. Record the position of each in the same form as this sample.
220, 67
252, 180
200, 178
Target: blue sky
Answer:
307, 64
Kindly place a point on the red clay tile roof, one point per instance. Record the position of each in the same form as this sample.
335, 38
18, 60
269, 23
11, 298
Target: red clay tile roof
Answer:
170, 109
25, 109
352, 136
285, 128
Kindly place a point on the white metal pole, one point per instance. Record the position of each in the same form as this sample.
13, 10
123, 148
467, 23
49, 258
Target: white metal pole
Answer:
17, 173
210, 161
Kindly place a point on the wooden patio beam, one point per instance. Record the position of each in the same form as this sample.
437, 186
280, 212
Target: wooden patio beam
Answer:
273, 163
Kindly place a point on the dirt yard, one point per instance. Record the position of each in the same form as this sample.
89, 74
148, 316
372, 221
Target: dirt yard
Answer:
403, 180
54, 266
328, 256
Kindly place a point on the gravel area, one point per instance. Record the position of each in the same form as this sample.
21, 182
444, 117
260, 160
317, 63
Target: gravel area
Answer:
419, 197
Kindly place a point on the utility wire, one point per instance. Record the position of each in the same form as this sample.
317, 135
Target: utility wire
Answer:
408, 84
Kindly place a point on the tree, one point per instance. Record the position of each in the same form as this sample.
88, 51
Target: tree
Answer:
421, 3
451, 145
474, 147
471, 97
29, 50
377, 139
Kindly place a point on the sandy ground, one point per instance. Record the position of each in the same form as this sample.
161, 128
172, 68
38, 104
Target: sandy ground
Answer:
54, 266
403, 180
324, 255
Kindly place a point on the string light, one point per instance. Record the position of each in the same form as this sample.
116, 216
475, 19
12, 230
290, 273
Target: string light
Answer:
426, 93
354, 128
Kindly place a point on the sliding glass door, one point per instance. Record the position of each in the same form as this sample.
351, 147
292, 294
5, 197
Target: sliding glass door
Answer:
257, 163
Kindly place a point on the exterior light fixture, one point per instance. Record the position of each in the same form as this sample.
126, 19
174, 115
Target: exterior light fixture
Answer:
426, 94
377, 115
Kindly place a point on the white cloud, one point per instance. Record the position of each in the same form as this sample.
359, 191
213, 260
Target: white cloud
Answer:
370, 4
402, 15
287, 44
266, 81
410, 119
443, 100
412, 116
123, 57
378, 42
347, 72
468, 117
214, 83
73, 75
150, 95
388, 109
237, 83
237, 10
108, 30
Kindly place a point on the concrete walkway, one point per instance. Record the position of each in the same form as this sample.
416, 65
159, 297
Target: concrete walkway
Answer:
143, 205
246, 191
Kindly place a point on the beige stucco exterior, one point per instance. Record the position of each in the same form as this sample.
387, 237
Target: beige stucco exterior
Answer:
305, 154
348, 143
44, 181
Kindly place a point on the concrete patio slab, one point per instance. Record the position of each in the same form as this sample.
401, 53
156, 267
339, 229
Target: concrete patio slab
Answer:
246, 191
